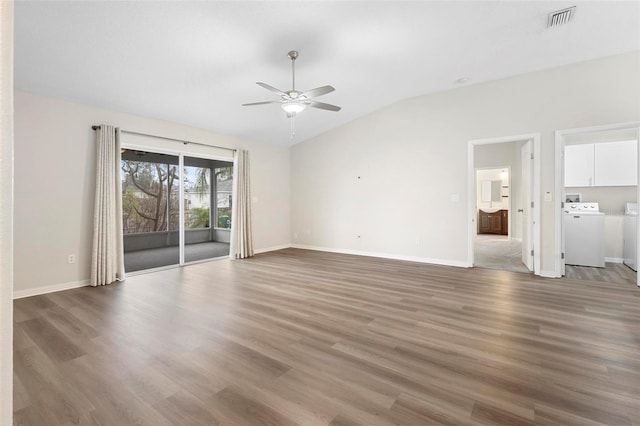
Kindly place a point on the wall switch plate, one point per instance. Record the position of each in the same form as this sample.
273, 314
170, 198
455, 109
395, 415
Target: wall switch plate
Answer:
547, 197
71, 259
455, 198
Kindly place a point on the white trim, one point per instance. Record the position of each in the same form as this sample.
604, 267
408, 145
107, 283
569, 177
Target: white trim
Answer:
535, 196
559, 137
49, 289
613, 259
211, 259
272, 248
548, 274
150, 270
445, 262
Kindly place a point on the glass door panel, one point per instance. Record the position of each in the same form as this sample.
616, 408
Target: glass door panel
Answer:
204, 238
150, 209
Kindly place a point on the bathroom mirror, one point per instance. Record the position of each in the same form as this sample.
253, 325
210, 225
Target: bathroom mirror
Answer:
491, 190
496, 190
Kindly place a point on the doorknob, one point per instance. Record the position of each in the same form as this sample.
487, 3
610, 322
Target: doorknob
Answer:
520, 210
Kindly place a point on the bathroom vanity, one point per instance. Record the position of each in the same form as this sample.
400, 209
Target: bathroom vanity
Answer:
493, 222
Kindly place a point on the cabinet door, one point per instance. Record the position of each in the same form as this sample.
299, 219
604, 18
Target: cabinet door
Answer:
505, 222
616, 163
489, 223
496, 223
484, 223
578, 165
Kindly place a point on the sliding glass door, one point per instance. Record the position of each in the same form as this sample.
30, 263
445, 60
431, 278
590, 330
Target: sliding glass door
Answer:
176, 209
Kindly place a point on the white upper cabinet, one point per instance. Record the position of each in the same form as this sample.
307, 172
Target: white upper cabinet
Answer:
578, 165
616, 163
601, 164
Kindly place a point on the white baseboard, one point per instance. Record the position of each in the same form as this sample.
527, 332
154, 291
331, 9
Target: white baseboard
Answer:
272, 248
613, 259
548, 274
445, 262
49, 289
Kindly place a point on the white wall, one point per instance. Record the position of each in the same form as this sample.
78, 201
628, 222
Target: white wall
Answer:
612, 199
54, 184
613, 238
6, 212
411, 159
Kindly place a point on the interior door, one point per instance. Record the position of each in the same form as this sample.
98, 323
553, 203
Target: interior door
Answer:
527, 191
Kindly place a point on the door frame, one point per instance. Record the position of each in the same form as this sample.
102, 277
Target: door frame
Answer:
560, 135
535, 196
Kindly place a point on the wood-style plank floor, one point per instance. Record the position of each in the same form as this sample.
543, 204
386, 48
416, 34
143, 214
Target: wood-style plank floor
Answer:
311, 338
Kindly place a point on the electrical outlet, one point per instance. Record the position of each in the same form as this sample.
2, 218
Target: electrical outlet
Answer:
71, 259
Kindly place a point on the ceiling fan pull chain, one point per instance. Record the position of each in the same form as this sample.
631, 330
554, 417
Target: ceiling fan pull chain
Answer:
293, 125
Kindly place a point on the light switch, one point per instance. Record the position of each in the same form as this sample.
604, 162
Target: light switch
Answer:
547, 197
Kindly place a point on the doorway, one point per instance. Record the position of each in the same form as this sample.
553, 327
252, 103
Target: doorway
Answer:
598, 165
176, 208
503, 216
496, 245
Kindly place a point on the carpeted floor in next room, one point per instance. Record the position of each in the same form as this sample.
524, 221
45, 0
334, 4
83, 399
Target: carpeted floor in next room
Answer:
498, 252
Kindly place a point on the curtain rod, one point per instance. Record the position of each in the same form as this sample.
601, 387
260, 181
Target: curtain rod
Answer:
171, 139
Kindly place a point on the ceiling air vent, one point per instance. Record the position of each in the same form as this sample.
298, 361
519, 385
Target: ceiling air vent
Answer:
560, 17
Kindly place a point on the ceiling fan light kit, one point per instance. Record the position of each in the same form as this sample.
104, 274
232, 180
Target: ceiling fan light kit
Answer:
293, 107
294, 102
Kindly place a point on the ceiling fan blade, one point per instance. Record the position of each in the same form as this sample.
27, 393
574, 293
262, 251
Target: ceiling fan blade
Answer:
322, 105
318, 91
270, 88
261, 103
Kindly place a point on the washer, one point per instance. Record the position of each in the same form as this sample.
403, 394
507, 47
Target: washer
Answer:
584, 235
629, 253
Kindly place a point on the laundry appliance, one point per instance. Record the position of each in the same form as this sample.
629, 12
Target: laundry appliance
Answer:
584, 235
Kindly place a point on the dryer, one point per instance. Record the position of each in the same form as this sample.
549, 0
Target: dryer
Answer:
584, 235
629, 252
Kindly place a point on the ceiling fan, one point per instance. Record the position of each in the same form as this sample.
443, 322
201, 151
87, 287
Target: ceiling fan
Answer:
293, 101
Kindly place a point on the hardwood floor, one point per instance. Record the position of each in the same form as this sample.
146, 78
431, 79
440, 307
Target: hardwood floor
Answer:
614, 273
310, 338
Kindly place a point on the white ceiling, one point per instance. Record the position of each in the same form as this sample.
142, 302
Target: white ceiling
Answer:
196, 62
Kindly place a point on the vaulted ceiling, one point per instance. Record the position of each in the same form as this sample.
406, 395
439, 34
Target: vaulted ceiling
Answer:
196, 62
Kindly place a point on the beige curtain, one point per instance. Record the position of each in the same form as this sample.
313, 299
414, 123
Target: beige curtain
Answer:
107, 258
241, 233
